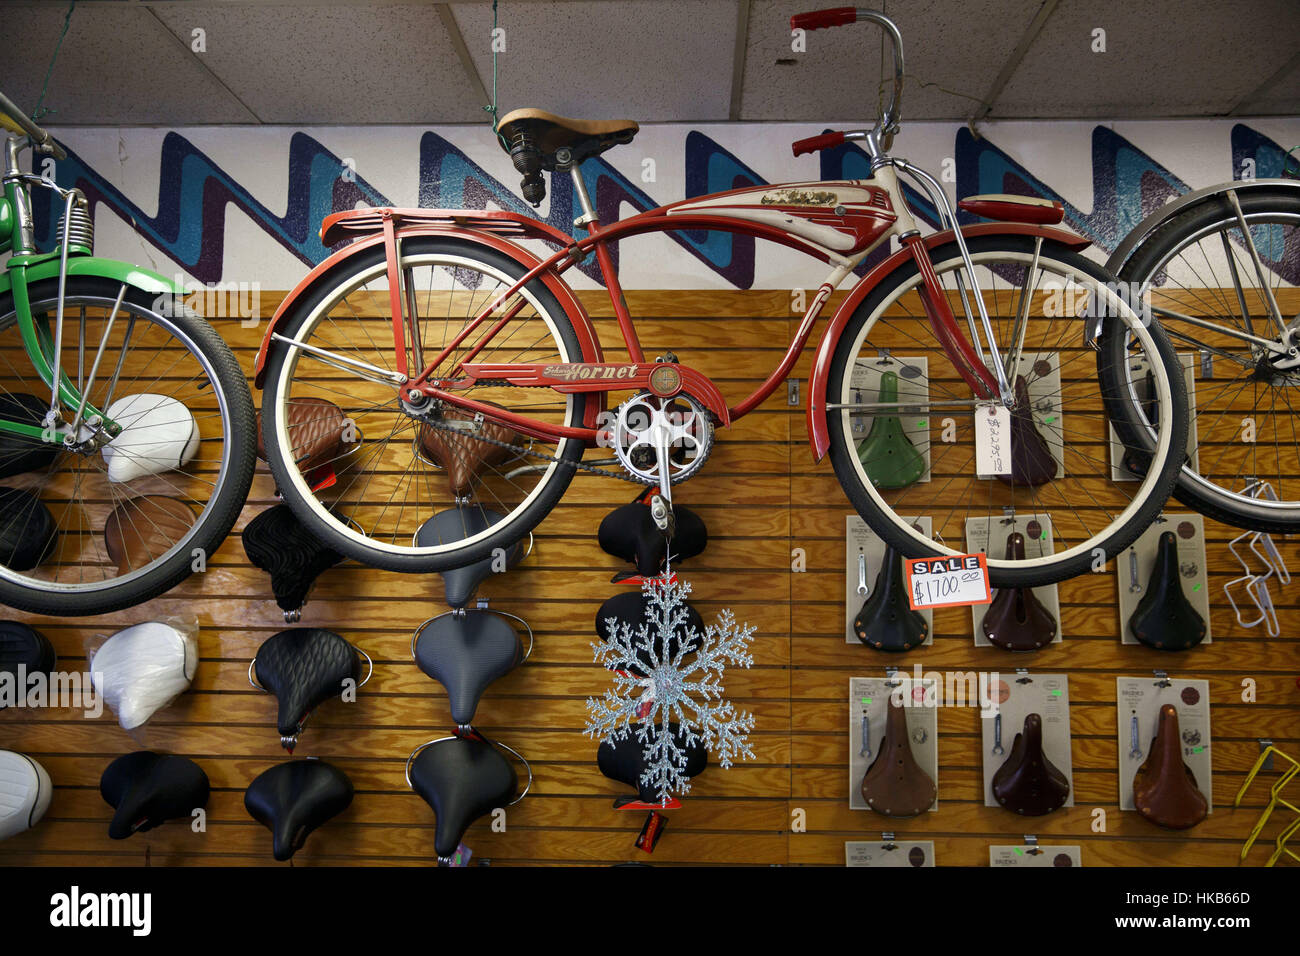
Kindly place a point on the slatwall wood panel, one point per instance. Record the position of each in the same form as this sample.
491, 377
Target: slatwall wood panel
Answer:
760, 495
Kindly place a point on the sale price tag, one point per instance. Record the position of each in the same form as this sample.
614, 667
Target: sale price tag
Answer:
956, 581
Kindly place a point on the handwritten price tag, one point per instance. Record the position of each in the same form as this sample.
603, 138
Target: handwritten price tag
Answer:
992, 441
958, 581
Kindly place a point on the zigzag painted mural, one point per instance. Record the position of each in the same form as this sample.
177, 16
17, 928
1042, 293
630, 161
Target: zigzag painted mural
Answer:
195, 193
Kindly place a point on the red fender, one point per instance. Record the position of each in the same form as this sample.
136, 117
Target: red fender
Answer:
480, 228
818, 433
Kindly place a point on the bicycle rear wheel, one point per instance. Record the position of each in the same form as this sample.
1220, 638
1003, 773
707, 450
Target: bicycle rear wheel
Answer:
441, 490
95, 530
1064, 499
1198, 268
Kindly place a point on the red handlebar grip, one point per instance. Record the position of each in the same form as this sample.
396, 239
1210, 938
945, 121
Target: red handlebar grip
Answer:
815, 143
834, 17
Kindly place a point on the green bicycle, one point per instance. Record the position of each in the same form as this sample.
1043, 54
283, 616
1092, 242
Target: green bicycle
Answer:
127, 432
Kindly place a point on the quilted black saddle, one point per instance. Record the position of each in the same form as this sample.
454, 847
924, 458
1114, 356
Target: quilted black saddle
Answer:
467, 650
629, 532
624, 761
278, 543
27, 530
293, 799
304, 667
630, 608
462, 778
26, 649
457, 524
147, 789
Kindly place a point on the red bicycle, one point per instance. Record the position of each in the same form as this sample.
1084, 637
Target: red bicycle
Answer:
969, 377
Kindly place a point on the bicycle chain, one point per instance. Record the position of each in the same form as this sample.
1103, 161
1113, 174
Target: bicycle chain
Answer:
522, 450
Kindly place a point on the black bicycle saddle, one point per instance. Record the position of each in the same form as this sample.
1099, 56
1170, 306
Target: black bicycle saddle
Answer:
1016, 620
624, 761
147, 789
1164, 618
27, 529
304, 667
457, 524
294, 798
1032, 463
19, 454
278, 543
24, 647
886, 620
630, 533
1027, 782
462, 779
630, 608
1137, 462
465, 652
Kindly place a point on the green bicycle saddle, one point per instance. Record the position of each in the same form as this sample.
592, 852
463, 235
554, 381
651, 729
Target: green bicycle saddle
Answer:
887, 454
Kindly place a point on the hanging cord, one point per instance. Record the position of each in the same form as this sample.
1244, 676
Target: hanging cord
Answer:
491, 109
42, 110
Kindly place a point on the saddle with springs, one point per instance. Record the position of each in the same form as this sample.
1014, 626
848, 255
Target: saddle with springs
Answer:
533, 138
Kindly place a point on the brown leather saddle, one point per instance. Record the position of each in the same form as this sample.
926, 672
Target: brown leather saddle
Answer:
317, 427
1164, 789
1027, 782
533, 137
462, 455
1032, 463
895, 784
142, 529
1016, 620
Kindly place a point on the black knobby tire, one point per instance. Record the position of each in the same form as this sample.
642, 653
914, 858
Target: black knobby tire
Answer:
215, 523
1138, 268
516, 526
886, 524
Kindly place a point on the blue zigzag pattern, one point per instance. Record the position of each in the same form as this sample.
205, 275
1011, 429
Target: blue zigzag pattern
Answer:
194, 193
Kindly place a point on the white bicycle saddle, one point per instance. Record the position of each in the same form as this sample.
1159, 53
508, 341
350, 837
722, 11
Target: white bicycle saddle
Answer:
142, 669
25, 792
158, 434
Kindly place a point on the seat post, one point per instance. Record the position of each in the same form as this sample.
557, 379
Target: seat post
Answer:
588, 217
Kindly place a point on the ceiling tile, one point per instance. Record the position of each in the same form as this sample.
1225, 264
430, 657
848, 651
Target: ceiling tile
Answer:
952, 52
321, 63
647, 60
1183, 58
118, 65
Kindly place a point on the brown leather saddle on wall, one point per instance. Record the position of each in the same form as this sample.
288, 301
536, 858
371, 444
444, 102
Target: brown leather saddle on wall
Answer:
895, 784
1164, 788
1028, 783
463, 455
318, 429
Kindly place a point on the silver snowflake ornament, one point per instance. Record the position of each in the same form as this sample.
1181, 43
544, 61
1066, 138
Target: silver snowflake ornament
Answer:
682, 686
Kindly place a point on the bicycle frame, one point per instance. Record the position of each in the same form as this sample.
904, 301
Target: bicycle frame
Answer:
26, 267
594, 375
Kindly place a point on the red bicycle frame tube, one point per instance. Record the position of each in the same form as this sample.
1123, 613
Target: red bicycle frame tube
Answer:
490, 229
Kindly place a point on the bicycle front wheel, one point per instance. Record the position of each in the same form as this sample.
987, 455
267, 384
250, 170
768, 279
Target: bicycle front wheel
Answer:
1228, 301
113, 521
902, 422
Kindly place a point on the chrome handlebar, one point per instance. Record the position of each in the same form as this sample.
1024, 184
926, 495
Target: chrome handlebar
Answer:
887, 121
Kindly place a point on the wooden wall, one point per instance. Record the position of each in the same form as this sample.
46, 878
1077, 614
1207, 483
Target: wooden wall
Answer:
761, 496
